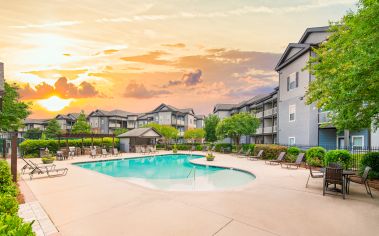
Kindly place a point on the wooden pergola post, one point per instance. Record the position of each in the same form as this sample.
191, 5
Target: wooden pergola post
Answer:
14, 157
82, 151
113, 145
92, 140
67, 150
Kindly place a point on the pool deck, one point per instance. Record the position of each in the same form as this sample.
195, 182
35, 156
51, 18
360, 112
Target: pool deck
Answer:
85, 202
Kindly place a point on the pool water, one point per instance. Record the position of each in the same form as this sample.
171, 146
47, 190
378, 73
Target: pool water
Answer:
171, 172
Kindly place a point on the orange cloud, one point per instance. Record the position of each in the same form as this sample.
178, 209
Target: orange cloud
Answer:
61, 88
175, 45
110, 51
135, 90
71, 74
149, 58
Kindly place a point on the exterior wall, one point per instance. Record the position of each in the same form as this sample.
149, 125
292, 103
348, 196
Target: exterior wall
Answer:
222, 114
124, 145
293, 52
375, 138
104, 125
189, 122
200, 123
305, 127
316, 37
164, 118
328, 138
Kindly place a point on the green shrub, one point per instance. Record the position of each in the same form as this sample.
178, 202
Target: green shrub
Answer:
270, 151
246, 147
199, 147
31, 148
370, 159
343, 157
292, 153
8, 204
174, 149
6, 184
315, 156
219, 146
48, 160
13, 225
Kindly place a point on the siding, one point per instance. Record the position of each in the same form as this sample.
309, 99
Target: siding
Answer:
328, 138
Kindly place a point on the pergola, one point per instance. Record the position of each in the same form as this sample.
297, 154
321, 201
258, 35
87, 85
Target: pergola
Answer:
84, 135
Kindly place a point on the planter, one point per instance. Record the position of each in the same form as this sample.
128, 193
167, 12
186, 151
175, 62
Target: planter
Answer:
210, 158
44, 161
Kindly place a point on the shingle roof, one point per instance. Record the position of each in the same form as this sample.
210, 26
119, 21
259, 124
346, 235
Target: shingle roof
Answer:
139, 132
36, 121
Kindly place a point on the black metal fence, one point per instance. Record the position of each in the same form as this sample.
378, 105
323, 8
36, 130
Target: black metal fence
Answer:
356, 152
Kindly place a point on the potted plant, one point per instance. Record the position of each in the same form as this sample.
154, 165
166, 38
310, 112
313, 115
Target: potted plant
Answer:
174, 149
48, 160
210, 157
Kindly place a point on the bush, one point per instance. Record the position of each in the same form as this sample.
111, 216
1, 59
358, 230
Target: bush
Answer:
48, 160
30, 148
270, 151
292, 153
343, 157
219, 146
370, 159
246, 147
13, 225
8, 204
6, 184
315, 156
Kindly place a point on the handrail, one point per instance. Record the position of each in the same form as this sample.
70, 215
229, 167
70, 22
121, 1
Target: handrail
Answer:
190, 172
194, 173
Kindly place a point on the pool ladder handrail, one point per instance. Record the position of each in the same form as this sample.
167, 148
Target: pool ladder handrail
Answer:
194, 173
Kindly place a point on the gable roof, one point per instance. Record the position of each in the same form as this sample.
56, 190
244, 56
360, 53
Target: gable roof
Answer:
116, 112
285, 60
141, 133
36, 121
311, 30
172, 108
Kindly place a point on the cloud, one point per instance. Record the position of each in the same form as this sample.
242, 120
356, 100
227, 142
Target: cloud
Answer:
176, 45
153, 57
61, 88
70, 74
110, 51
135, 90
47, 25
189, 79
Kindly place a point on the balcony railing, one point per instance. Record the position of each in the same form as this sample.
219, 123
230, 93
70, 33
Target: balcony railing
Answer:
259, 114
114, 125
259, 131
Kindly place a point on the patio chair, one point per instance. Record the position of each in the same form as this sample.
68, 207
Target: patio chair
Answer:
245, 154
213, 149
334, 176
115, 152
239, 152
193, 148
71, 152
255, 158
278, 160
60, 156
104, 152
51, 172
93, 153
296, 164
29, 165
314, 174
360, 180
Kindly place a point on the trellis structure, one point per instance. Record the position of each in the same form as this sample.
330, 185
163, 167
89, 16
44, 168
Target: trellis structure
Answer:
84, 135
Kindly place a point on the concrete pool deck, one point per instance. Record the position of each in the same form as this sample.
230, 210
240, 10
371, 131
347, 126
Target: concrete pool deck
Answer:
85, 202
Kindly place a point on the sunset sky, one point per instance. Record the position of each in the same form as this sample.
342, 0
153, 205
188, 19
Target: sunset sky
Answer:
69, 56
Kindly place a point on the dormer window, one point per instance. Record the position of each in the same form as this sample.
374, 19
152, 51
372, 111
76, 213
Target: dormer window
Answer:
293, 81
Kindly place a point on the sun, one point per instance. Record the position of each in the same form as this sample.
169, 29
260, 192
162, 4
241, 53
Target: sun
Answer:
54, 103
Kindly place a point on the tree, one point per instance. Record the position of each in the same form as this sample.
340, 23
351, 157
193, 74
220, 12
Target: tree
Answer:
13, 111
53, 129
119, 131
194, 134
167, 131
237, 125
33, 133
81, 125
346, 70
210, 124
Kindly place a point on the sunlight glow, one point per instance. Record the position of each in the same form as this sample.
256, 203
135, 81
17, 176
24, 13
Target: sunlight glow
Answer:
54, 103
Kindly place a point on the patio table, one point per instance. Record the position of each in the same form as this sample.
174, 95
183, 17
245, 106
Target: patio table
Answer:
345, 173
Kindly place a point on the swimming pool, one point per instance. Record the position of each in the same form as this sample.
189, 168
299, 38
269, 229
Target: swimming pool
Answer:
171, 172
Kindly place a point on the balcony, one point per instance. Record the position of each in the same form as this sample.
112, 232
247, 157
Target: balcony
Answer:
271, 111
259, 131
179, 122
181, 133
323, 117
259, 114
114, 125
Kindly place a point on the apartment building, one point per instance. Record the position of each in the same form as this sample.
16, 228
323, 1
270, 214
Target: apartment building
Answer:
301, 124
106, 122
34, 124
67, 121
182, 119
264, 107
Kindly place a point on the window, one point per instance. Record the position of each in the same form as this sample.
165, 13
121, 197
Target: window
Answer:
292, 113
293, 81
357, 142
291, 141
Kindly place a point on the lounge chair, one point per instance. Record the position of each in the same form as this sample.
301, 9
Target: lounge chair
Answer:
143, 150
334, 176
71, 152
115, 152
314, 174
104, 152
360, 180
296, 164
193, 148
205, 148
246, 154
93, 153
51, 172
213, 149
278, 160
254, 158
239, 152
60, 156
29, 165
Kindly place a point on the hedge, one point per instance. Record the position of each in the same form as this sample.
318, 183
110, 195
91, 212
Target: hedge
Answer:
270, 151
315, 156
219, 146
370, 159
246, 147
10, 222
342, 157
30, 147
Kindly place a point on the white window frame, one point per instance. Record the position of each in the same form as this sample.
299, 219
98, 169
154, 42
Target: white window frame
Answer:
292, 77
294, 140
357, 136
289, 113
